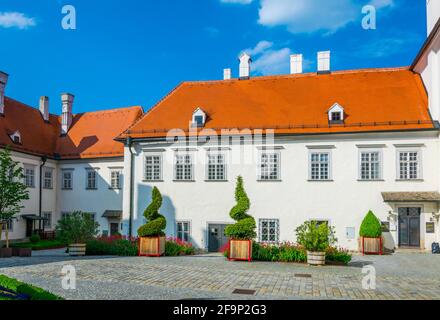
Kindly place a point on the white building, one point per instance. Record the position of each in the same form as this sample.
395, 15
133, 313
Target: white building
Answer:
325, 146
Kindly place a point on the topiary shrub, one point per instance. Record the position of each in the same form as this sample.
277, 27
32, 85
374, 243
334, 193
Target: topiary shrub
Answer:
156, 222
371, 226
244, 229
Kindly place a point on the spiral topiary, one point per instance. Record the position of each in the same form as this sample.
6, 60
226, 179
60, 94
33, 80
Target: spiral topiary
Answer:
156, 222
244, 229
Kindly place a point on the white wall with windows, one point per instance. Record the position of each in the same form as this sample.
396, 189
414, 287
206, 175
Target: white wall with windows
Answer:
334, 178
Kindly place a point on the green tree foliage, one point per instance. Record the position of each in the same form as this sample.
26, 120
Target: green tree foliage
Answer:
77, 227
371, 226
244, 229
156, 222
12, 190
315, 237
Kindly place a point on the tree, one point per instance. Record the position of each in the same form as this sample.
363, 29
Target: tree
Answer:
371, 226
12, 190
245, 227
156, 222
76, 228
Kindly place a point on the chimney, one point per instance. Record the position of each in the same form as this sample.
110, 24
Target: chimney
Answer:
3, 81
44, 108
296, 63
324, 62
67, 116
227, 74
245, 66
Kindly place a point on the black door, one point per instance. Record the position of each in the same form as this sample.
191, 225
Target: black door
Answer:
217, 238
29, 227
409, 227
114, 229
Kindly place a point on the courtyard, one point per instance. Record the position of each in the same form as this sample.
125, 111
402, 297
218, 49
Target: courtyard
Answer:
400, 276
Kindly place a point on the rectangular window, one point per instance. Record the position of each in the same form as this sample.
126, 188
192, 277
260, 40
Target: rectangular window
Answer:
409, 165
91, 180
184, 168
115, 179
48, 220
216, 167
336, 116
370, 165
269, 230
29, 176
153, 168
319, 166
8, 226
48, 178
269, 166
183, 230
67, 180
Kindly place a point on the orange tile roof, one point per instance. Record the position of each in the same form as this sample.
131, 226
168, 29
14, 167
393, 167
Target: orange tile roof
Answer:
373, 100
90, 136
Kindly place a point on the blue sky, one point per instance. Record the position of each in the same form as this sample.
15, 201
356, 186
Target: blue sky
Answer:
133, 52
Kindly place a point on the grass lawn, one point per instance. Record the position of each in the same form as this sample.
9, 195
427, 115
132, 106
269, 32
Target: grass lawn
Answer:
40, 245
12, 289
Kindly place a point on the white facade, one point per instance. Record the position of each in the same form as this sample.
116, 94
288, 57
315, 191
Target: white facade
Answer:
433, 13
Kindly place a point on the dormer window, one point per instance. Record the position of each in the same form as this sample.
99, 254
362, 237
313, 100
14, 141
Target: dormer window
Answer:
199, 118
15, 137
336, 114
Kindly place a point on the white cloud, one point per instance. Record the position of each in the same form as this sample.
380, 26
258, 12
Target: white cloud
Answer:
15, 19
386, 46
259, 48
382, 3
273, 62
237, 1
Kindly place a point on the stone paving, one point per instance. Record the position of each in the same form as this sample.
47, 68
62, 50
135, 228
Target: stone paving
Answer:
401, 276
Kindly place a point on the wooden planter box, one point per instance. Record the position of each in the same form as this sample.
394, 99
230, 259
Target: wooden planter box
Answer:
21, 252
316, 258
240, 250
5, 252
151, 246
371, 245
77, 249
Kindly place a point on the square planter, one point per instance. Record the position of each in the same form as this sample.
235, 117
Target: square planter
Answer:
371, 245
22, 252
5, 252
240, 250
151, 246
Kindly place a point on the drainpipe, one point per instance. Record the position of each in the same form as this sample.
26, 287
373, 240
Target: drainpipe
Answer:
130, 220
43, 162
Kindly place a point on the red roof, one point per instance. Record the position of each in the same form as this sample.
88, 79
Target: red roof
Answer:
90, 136
373, 100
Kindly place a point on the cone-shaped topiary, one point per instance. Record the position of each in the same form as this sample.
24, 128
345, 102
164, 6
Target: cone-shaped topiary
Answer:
244, 229
371, 226
156, 222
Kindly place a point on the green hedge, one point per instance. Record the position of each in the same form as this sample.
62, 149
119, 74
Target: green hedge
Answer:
111, 247
41, 245
18, 287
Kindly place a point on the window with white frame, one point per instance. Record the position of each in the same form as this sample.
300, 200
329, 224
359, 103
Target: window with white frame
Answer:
319, 166
183, 167
184, 230
409, 165
47, 220
370, 165
29, 176
67, 176
269, 167
115, 178
269, 230
8, 226
153, 168
216, 167
48, 178
91, 183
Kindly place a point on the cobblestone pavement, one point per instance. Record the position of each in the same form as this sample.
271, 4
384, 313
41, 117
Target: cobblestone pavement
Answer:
401, 276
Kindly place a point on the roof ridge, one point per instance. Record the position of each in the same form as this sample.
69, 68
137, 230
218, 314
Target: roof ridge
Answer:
109, 110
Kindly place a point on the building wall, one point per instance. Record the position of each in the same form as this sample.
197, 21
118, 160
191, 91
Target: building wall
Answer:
293, 200
433, 10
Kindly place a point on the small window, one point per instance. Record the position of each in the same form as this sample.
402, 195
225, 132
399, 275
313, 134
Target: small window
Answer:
115, 179
409, 165
198, 118
183, 231
216, 167
319, 166
47, 220
8, 226
269, 168
269, 230
16, 137
91, 180
370, 165
29, 176
336, 116
48, 178
153, 168
183, 167
67, 180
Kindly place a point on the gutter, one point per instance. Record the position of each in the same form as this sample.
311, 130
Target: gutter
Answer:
43, 162
130, 220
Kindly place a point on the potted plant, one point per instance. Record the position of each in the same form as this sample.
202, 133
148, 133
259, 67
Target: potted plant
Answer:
76, 229
370, 232
151, 235
243, 231
315, 238
13, 192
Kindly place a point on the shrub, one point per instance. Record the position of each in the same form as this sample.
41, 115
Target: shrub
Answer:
112, 246
244, 228
26, 290
78, 227
176, 247
35, 238
156, 222
314, 237
371, 226
333, 254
